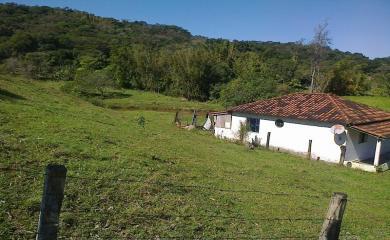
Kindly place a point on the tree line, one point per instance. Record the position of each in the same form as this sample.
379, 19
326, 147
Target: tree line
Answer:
63, 44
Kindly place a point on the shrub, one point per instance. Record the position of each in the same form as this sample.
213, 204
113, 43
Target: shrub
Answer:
243, 131
65, 73
91, 82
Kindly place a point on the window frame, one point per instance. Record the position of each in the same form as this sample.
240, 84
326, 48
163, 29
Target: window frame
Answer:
363, 138
279, 121
256, 125
225, 116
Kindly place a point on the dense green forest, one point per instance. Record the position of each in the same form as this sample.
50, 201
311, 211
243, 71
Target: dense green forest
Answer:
63, 44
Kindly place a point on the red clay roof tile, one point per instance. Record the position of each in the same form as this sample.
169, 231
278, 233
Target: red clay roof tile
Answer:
379, 129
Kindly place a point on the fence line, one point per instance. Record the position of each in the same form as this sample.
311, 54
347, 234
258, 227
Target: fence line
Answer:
167, 184
249, 219
172, 185
168, 216
205, 187
197, 238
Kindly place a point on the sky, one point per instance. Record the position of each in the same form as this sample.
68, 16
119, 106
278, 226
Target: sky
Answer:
361, 26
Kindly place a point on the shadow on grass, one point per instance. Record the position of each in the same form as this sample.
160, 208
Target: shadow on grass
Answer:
7, 95
107, 95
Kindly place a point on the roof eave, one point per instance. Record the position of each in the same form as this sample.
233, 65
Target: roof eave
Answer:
370, 133
291, 117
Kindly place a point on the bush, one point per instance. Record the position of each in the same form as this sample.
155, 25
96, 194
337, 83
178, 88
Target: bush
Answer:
65, 73
97, 102
93, 82
13, 65
244, 90
37, 65
243, 131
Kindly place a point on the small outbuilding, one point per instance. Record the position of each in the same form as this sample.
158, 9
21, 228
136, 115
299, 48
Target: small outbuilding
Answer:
318, 125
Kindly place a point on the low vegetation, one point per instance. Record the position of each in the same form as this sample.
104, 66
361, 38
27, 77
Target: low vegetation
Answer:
378, 102
135, 175
135, 99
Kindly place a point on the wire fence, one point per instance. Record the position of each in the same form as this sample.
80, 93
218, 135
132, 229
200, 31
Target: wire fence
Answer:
190, 186
30, 172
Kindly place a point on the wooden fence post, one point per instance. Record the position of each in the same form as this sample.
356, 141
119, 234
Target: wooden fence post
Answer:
177, 120
193, 122
342, 154
268, 139
309, 150
53, 194
332, 224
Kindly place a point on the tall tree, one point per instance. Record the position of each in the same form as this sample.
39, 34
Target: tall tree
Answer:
319, 44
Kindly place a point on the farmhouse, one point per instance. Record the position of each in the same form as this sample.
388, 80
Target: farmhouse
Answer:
318, 125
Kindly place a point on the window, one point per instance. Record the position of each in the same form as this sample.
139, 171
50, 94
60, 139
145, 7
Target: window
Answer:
254, 124
363, 137
279, 123
223, 121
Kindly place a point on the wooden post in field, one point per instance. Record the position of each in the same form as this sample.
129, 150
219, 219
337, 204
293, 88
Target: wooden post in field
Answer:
53, 194
193, 122
176, 120
309, 149
342, 154
268, 139
332, 224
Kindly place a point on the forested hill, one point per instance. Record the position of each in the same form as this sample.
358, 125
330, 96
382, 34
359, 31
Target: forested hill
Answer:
65, 44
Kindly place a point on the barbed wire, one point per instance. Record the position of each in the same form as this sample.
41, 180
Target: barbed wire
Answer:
167, 184
159, 237
202, 216
172, 185
170, 216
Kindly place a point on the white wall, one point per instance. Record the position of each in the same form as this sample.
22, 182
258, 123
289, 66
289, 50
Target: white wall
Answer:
293, 136
359, 151
230, 133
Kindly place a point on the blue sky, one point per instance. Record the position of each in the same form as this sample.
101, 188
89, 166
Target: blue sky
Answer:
355, 25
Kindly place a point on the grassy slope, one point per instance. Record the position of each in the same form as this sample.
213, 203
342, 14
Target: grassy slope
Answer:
40, 124
154, 101
134, 99
379, 102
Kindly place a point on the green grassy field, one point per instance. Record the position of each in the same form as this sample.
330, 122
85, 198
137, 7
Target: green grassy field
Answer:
126, 181
134, 99
378, 102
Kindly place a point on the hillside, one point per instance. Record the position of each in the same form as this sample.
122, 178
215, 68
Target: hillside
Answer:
126, 181
65, 44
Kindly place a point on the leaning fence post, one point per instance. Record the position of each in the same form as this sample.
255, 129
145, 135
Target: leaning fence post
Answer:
53, 194
332, 224
177, 120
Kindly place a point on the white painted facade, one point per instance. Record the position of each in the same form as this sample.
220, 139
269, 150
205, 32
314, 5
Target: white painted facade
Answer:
359, 151
294, 136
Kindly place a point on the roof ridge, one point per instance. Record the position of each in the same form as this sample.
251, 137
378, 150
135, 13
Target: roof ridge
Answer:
330, 96
275, 98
